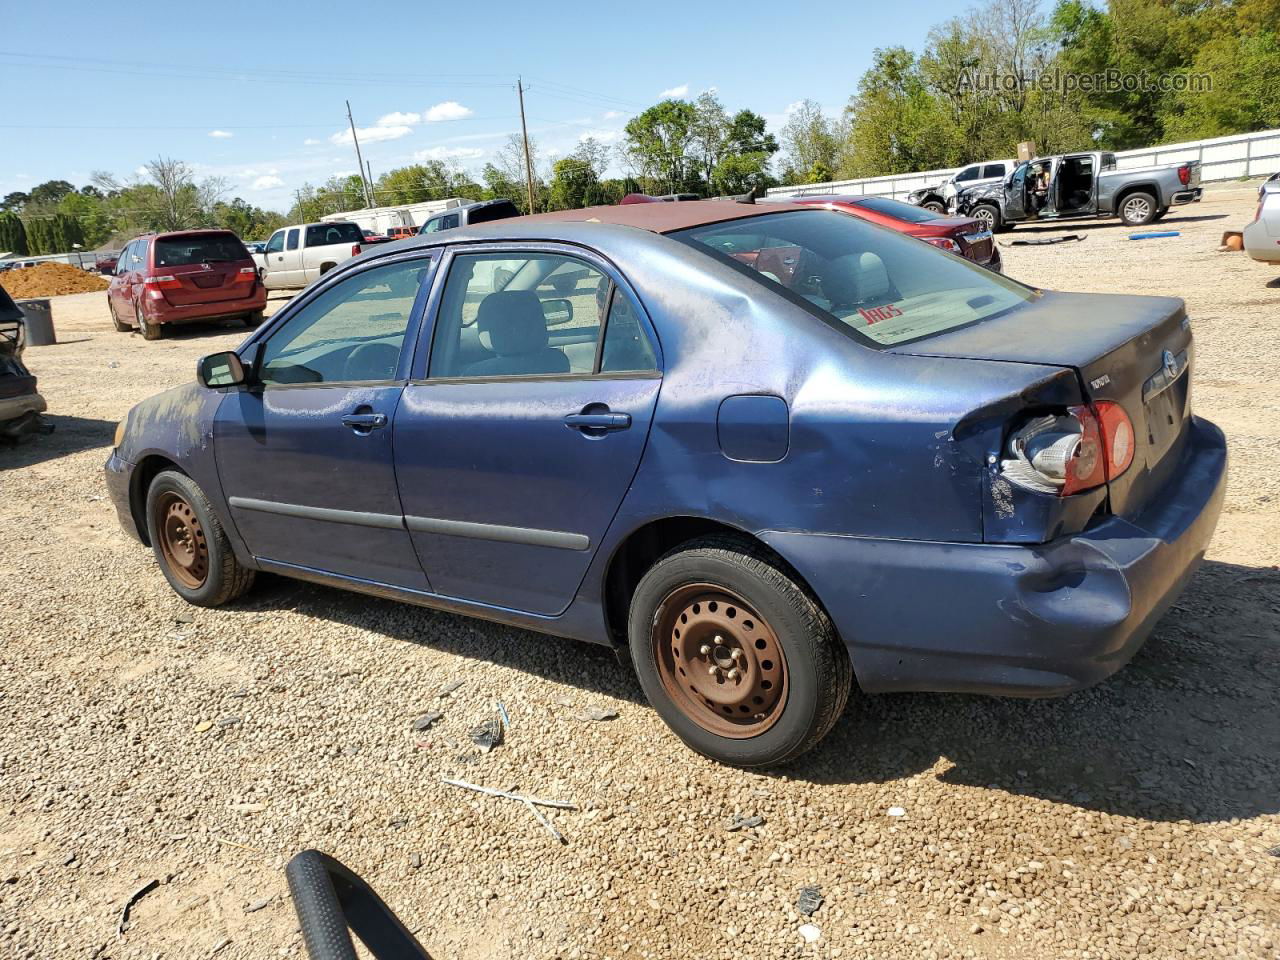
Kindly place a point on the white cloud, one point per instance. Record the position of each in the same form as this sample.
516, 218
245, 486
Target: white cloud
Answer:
449, 110
267, 183
141, 172
399, 119
603, 136
792, 108
611, 115
221, 134
371, 134
679, 91
448, 153
310, 142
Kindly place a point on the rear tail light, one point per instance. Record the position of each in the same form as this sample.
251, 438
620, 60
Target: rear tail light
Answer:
155, 286
1184, 174
1068, 453
946, 243
355, 249
246, 275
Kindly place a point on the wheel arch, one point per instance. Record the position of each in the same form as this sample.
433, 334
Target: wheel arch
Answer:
148, 468
1124, 193
643, 546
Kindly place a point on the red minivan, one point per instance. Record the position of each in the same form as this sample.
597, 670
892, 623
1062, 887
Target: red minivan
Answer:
179, 277
963, 236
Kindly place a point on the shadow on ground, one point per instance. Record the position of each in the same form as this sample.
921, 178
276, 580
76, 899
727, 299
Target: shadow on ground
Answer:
1190, 730
70, 435
1080, 226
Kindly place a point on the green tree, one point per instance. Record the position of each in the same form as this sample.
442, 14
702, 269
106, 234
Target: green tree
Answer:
49, 193
658, 145
14, 202
13, 235
810, 143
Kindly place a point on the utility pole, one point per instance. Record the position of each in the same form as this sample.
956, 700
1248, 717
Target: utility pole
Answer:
368, 200
369, 170
524, 130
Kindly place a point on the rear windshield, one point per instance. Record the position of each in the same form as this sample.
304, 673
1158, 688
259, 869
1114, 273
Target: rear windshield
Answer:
199, 248
324, 234
883, 287
498, 210
896, 208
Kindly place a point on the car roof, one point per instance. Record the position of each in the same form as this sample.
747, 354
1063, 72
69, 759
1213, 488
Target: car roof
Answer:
660, 217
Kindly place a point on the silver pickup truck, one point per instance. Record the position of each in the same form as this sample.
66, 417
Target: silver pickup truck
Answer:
1078, 185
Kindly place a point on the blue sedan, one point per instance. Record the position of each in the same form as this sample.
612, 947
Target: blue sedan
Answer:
766, 451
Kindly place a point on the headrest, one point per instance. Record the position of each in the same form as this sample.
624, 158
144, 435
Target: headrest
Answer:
855, 278
514, 322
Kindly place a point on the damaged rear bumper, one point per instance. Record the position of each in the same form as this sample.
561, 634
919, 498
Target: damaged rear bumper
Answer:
1017, 620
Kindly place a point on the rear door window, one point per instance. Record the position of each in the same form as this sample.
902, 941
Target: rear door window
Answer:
183, 251
993, 170
293, 240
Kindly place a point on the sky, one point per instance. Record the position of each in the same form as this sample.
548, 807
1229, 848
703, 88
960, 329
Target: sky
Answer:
254, 92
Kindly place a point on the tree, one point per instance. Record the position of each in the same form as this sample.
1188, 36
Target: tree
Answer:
14, 202
13, 235
710, 134
658, 141
808, 142
49, 193
575, 180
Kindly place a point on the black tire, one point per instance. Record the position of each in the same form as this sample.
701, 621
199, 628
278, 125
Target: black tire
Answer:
254, 320
115, 320
937, 206
818, 675
1137, 209
1160, 214
223, 578
988, 214
326, 267
150, 331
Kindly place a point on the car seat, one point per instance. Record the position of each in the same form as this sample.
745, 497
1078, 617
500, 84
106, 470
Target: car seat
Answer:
513, 323
854, 279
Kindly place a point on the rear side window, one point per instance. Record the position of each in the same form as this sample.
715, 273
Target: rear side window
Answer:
183, 251
327, 234
881, 286
993, 170
498, 210
293, 239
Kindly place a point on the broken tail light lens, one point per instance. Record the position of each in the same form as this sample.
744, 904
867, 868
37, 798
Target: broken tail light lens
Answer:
1068, 453
946, 243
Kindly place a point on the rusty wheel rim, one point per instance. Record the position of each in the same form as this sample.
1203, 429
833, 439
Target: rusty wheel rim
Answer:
720, 661
182, 540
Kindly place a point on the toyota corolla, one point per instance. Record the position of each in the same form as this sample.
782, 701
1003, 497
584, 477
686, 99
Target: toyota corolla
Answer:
767, 451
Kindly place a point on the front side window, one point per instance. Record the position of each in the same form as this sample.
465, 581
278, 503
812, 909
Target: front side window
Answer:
880, 285
519, 315
449, 222
351, 333
276, 243
293, 240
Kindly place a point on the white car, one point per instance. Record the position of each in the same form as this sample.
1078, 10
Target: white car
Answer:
299, 254
989, 171
1262, 237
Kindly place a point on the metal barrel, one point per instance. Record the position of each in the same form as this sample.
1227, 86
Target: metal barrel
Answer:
39, 317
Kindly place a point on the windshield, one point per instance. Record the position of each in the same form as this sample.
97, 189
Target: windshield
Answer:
199, 248
882, 286
896, 208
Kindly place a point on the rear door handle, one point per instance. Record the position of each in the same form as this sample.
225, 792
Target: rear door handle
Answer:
598, 421
364, 422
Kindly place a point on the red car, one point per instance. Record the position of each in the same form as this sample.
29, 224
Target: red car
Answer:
164, 278
960, 235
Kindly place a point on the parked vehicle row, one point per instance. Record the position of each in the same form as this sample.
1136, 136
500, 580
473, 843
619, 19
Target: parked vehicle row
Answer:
1078, 185
769, 450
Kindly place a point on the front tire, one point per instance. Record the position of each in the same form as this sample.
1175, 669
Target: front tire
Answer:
736, 657
189, 543
989, 216
1138, 209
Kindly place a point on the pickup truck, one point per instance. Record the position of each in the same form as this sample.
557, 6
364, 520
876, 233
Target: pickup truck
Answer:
299, 254
1078, 185
939, 196
484, 211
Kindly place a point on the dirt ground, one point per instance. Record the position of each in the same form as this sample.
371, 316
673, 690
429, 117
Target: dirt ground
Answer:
142, 739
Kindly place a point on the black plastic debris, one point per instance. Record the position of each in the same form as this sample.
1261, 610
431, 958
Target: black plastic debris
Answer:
809, 901
488, 735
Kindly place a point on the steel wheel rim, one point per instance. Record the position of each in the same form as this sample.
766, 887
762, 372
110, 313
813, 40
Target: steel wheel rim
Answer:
719, 661
181, 539
1136, 208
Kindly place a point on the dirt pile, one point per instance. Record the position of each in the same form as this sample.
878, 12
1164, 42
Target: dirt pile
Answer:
50, 280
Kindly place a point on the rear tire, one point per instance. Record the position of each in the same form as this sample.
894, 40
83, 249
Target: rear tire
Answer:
935, 206
190, 545
1138, 209
115, 320
150, 331
727, 605
254, 320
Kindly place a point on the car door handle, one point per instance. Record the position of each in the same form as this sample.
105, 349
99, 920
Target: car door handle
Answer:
364, 422
598, 421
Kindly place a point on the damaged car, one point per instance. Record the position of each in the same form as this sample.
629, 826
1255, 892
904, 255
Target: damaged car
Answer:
21, 405
767, 453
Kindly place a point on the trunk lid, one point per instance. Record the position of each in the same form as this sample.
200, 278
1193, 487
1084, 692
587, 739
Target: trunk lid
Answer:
1135, 351
205, 266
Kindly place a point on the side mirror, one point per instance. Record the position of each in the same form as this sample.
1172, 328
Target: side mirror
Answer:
557, 312
221, 370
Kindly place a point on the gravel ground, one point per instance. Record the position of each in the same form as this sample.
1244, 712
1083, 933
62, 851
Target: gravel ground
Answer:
143, 739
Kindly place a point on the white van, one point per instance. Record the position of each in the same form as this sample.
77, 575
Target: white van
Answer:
297, 255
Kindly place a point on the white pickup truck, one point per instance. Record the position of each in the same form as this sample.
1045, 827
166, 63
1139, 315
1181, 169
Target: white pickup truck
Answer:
297, 255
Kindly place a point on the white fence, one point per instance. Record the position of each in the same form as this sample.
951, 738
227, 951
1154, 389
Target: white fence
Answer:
1221, 158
